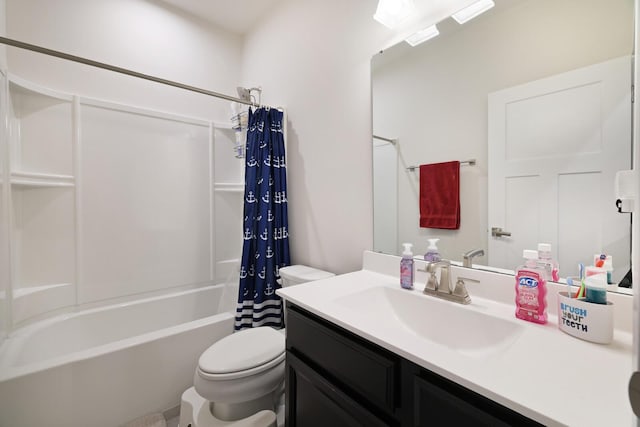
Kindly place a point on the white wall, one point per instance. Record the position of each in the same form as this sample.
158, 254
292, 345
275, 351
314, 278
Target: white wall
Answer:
3, 29
434, 96
146, 36
635, 231
4, 246
314, 58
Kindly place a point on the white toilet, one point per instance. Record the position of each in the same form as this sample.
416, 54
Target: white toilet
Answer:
240, 379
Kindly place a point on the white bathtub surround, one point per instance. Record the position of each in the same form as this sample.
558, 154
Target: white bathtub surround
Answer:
100, 209
106, 366
536, 370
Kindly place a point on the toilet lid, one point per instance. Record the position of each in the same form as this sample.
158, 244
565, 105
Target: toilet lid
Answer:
303, 273
242, 351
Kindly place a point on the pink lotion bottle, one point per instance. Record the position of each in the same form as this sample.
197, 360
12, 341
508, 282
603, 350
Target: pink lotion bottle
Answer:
531, 289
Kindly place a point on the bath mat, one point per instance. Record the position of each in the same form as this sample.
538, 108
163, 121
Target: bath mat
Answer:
152, 420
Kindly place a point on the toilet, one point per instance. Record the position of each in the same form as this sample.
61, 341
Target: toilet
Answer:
239, 380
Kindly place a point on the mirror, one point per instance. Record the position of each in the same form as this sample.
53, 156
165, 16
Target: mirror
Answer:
488, 90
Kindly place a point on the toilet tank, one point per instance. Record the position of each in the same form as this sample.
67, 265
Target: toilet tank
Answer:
296, 274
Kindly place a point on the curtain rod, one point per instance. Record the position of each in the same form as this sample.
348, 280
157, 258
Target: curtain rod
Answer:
471, 162
81, 60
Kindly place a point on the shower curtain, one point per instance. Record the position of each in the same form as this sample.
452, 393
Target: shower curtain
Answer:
266, 235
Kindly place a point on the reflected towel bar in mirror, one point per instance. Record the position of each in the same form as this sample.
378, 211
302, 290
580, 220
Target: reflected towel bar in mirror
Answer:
471, 162
382, 138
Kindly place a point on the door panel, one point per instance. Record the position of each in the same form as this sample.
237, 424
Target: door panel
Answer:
554, 147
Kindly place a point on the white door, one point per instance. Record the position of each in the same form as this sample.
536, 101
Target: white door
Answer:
554, 147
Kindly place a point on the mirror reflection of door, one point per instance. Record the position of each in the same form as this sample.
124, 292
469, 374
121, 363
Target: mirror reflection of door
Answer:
555, 145
385, 196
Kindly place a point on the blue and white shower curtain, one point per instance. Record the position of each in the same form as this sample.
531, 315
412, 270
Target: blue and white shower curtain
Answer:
266, 235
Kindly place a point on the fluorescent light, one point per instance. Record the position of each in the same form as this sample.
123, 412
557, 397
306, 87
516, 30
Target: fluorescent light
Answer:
391, 12
422, 35
472, 11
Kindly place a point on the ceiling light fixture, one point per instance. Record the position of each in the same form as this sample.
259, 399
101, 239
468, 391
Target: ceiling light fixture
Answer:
392, 12
422, 35
472, 11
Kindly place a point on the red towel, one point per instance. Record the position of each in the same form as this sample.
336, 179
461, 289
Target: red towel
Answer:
440, 195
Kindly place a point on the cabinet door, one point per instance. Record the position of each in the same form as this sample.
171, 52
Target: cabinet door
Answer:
439, 402
369, 372
312, 401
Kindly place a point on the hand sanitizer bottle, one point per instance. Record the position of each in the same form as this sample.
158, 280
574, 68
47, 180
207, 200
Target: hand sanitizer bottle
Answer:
432, 253
406, 267
544, 255
531, 289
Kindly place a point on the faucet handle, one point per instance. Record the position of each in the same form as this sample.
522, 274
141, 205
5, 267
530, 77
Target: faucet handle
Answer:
461, 292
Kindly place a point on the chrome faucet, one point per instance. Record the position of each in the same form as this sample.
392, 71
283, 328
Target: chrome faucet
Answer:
467, 257
442, 289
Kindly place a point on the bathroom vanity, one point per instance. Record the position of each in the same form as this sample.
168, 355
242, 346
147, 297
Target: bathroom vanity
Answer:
362, 351
335, 377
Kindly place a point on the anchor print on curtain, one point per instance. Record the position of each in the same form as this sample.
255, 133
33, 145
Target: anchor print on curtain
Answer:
266, 236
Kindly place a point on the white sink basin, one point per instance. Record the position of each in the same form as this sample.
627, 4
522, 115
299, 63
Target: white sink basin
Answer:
457, 327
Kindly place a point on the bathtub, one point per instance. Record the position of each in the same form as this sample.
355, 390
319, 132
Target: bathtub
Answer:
105, 366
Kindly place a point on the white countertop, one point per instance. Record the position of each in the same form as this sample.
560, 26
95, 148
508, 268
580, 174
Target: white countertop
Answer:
543, 373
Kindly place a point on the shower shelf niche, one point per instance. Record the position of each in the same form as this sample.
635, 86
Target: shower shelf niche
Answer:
41, 131
28, 179
40, 136
229, 187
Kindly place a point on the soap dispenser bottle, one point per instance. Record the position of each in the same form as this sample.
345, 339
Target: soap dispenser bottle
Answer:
406, 267
432, 254
544, 255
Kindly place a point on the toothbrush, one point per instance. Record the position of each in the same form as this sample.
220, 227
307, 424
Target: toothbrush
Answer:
569, 283
581, 271
582, 289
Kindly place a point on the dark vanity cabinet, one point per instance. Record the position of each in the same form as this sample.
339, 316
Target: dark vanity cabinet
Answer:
335, 378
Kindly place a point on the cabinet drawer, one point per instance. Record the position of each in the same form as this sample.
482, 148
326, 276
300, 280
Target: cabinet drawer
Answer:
349, 361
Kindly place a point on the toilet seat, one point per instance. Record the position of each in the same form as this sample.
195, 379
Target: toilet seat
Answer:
241, 374
242, 354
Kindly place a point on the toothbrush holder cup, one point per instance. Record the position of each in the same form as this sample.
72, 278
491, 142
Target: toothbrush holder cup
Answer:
585, 320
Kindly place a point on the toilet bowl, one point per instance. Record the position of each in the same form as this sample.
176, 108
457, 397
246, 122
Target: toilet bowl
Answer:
241, 377
241, 373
